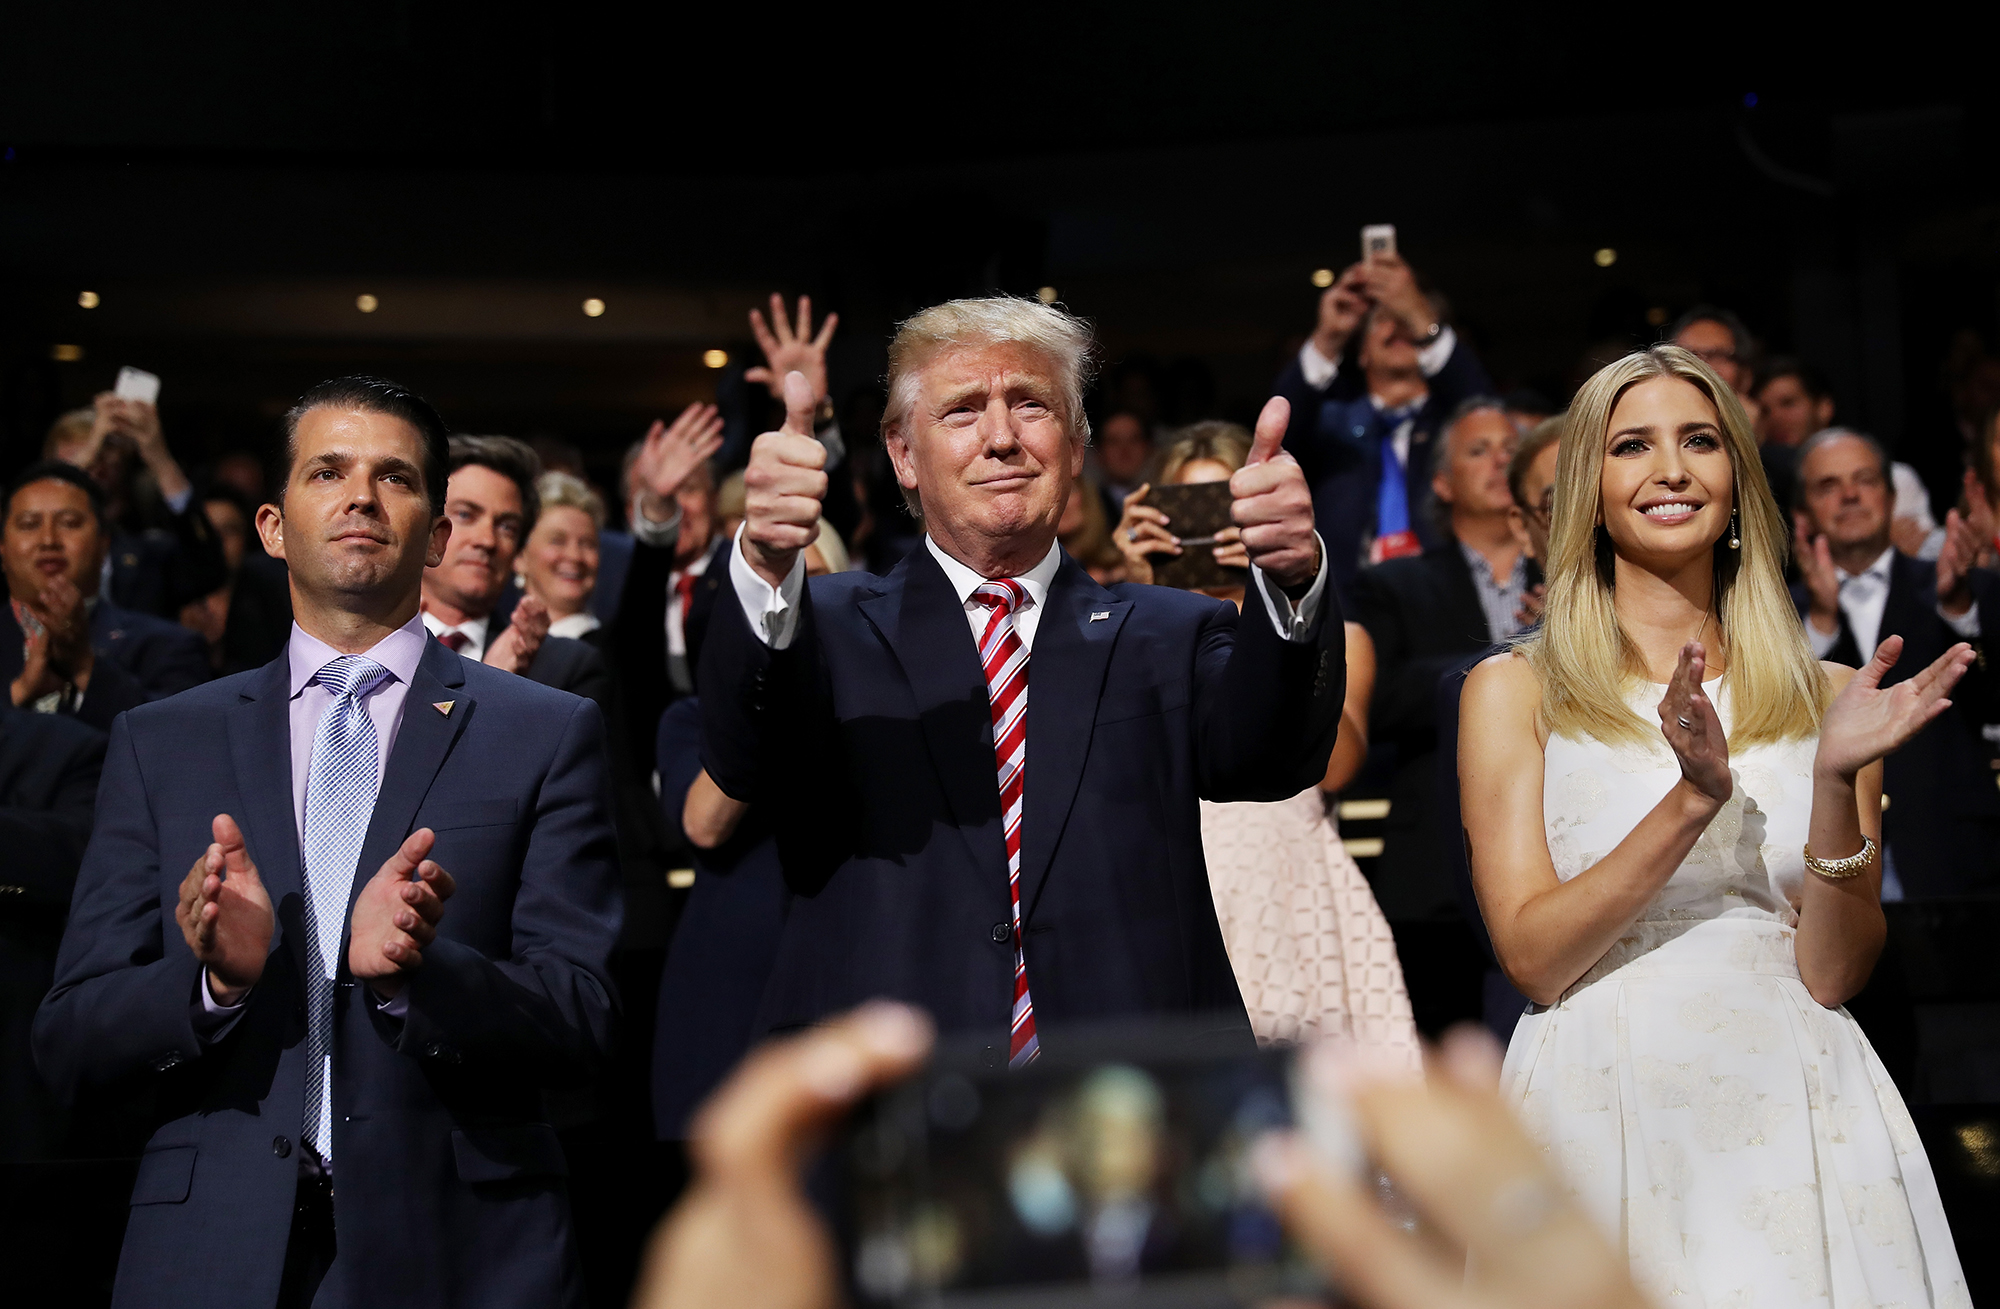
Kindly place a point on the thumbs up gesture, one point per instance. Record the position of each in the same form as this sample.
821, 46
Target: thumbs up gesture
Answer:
1272, 505
785, 483
225, 914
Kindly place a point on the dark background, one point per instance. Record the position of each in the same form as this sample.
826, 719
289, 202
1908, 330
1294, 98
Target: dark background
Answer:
228, 179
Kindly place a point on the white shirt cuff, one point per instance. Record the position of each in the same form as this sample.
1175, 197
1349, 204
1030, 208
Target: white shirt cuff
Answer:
1822, 642
222, 1017
1319, 370
1966, 624
1433, 357
395, 1007
773, 611
177, 504
1293, 622
647, 532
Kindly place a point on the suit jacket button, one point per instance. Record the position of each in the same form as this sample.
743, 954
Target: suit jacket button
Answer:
281, 1147
1002, 933
433, 1050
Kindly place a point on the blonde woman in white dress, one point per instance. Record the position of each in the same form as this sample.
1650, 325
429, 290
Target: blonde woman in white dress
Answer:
1311, 950
1673, 815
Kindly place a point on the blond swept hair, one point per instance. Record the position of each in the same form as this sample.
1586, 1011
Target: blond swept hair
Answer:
1586, 663
1219, 442
560, 490
1062, 337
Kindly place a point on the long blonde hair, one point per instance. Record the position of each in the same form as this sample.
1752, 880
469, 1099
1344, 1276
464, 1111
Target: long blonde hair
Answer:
1586, 662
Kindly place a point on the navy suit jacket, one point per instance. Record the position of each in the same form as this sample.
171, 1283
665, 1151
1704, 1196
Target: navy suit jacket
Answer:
449, 1182
139, 658
869, 743
1942, 824
1336, 435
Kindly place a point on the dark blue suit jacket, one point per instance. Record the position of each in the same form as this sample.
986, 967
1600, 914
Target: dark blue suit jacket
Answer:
139, 658
449, 1184
1942, 824
1336, 435
870, 743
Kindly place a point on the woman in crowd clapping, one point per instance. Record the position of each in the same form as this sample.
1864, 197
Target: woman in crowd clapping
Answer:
1688, 904
1309, 945
558, 565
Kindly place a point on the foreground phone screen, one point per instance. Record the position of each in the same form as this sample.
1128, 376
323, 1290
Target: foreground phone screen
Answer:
1122, 1170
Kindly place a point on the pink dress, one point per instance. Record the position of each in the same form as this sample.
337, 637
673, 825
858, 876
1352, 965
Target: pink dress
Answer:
1311, 950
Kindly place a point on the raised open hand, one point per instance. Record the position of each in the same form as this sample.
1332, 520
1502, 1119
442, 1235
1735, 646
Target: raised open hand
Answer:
1273, 505
1815, 560
790, 348
784, 485
515, 649
1867, 721
396, 915
1141, 533
1954, 564
225, 914
1693, 729
670, 454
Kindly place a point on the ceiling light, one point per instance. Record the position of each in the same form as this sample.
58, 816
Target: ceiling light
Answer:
88, 299
1045, 294
66, 354
715, 358
1606, 257
593, 308
1322, 277
366, 303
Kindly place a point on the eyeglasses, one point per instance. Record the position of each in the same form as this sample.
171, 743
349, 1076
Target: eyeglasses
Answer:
1544, 508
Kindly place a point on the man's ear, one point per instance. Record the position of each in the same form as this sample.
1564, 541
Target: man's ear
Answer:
440, 533
898, 447
270, 524
1441, 488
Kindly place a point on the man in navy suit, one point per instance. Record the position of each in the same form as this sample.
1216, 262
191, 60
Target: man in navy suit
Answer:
350, 915
1363, 433
982, 769
1941, 815
63, 647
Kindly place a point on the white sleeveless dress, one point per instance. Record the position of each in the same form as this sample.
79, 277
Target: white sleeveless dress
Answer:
1308, 943
1743, 1142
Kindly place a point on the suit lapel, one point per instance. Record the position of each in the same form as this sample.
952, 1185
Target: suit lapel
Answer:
1065, 680
1465, 606
423, 740
921, 620
11, 637
260, 748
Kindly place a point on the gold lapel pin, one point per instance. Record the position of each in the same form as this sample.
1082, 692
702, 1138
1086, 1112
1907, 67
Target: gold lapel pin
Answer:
443, 706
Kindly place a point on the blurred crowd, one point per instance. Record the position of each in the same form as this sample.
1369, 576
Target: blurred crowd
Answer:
132, 577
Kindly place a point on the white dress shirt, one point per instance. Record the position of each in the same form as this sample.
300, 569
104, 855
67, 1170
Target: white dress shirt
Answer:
475, 630
576, 626
773, 612
1863, 597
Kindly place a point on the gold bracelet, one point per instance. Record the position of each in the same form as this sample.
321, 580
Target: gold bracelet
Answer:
1841, 869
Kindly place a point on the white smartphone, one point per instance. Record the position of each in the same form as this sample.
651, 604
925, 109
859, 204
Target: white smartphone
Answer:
137, 384
1378, 239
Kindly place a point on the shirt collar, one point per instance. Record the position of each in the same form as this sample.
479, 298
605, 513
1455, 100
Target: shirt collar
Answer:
1478, 563
476, 628
965, 581
1878, 569
400, 652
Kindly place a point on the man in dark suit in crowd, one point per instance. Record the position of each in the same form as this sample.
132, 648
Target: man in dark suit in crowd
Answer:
1363, 430
164, 553
1426, 615
247, 621
492, 503
49, 765
1013, 864
63, 647
330, 976
1941, 824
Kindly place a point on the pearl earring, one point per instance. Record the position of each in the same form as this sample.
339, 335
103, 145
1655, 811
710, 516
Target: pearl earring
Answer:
1735, 541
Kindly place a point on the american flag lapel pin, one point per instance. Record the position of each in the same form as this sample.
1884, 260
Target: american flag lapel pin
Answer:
1100, 616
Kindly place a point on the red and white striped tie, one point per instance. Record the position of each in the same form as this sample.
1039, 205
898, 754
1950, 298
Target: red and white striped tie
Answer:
1006, 662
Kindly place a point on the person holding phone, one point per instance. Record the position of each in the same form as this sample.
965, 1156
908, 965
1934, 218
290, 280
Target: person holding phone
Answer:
1312, 952
1689, 904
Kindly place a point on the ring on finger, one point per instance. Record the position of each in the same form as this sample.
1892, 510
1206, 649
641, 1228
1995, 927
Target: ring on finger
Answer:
1686, 726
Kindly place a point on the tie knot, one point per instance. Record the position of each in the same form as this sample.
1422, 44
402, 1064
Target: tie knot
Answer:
351, 675
1006, 595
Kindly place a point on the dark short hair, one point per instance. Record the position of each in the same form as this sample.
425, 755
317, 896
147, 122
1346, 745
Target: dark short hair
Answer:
514, 460
1738, 333
1535, 440
1827, 436
375, 395
1439, 510
219, 490
57, 470
1811, 380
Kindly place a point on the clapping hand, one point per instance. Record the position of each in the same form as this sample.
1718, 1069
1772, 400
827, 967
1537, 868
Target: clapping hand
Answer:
1272, 505
670, 454
1866, 722
791, 349
515, 649
397, 913
225, 914
1693, 729
1979, 515
784, 485
1815, 560
1954, 564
